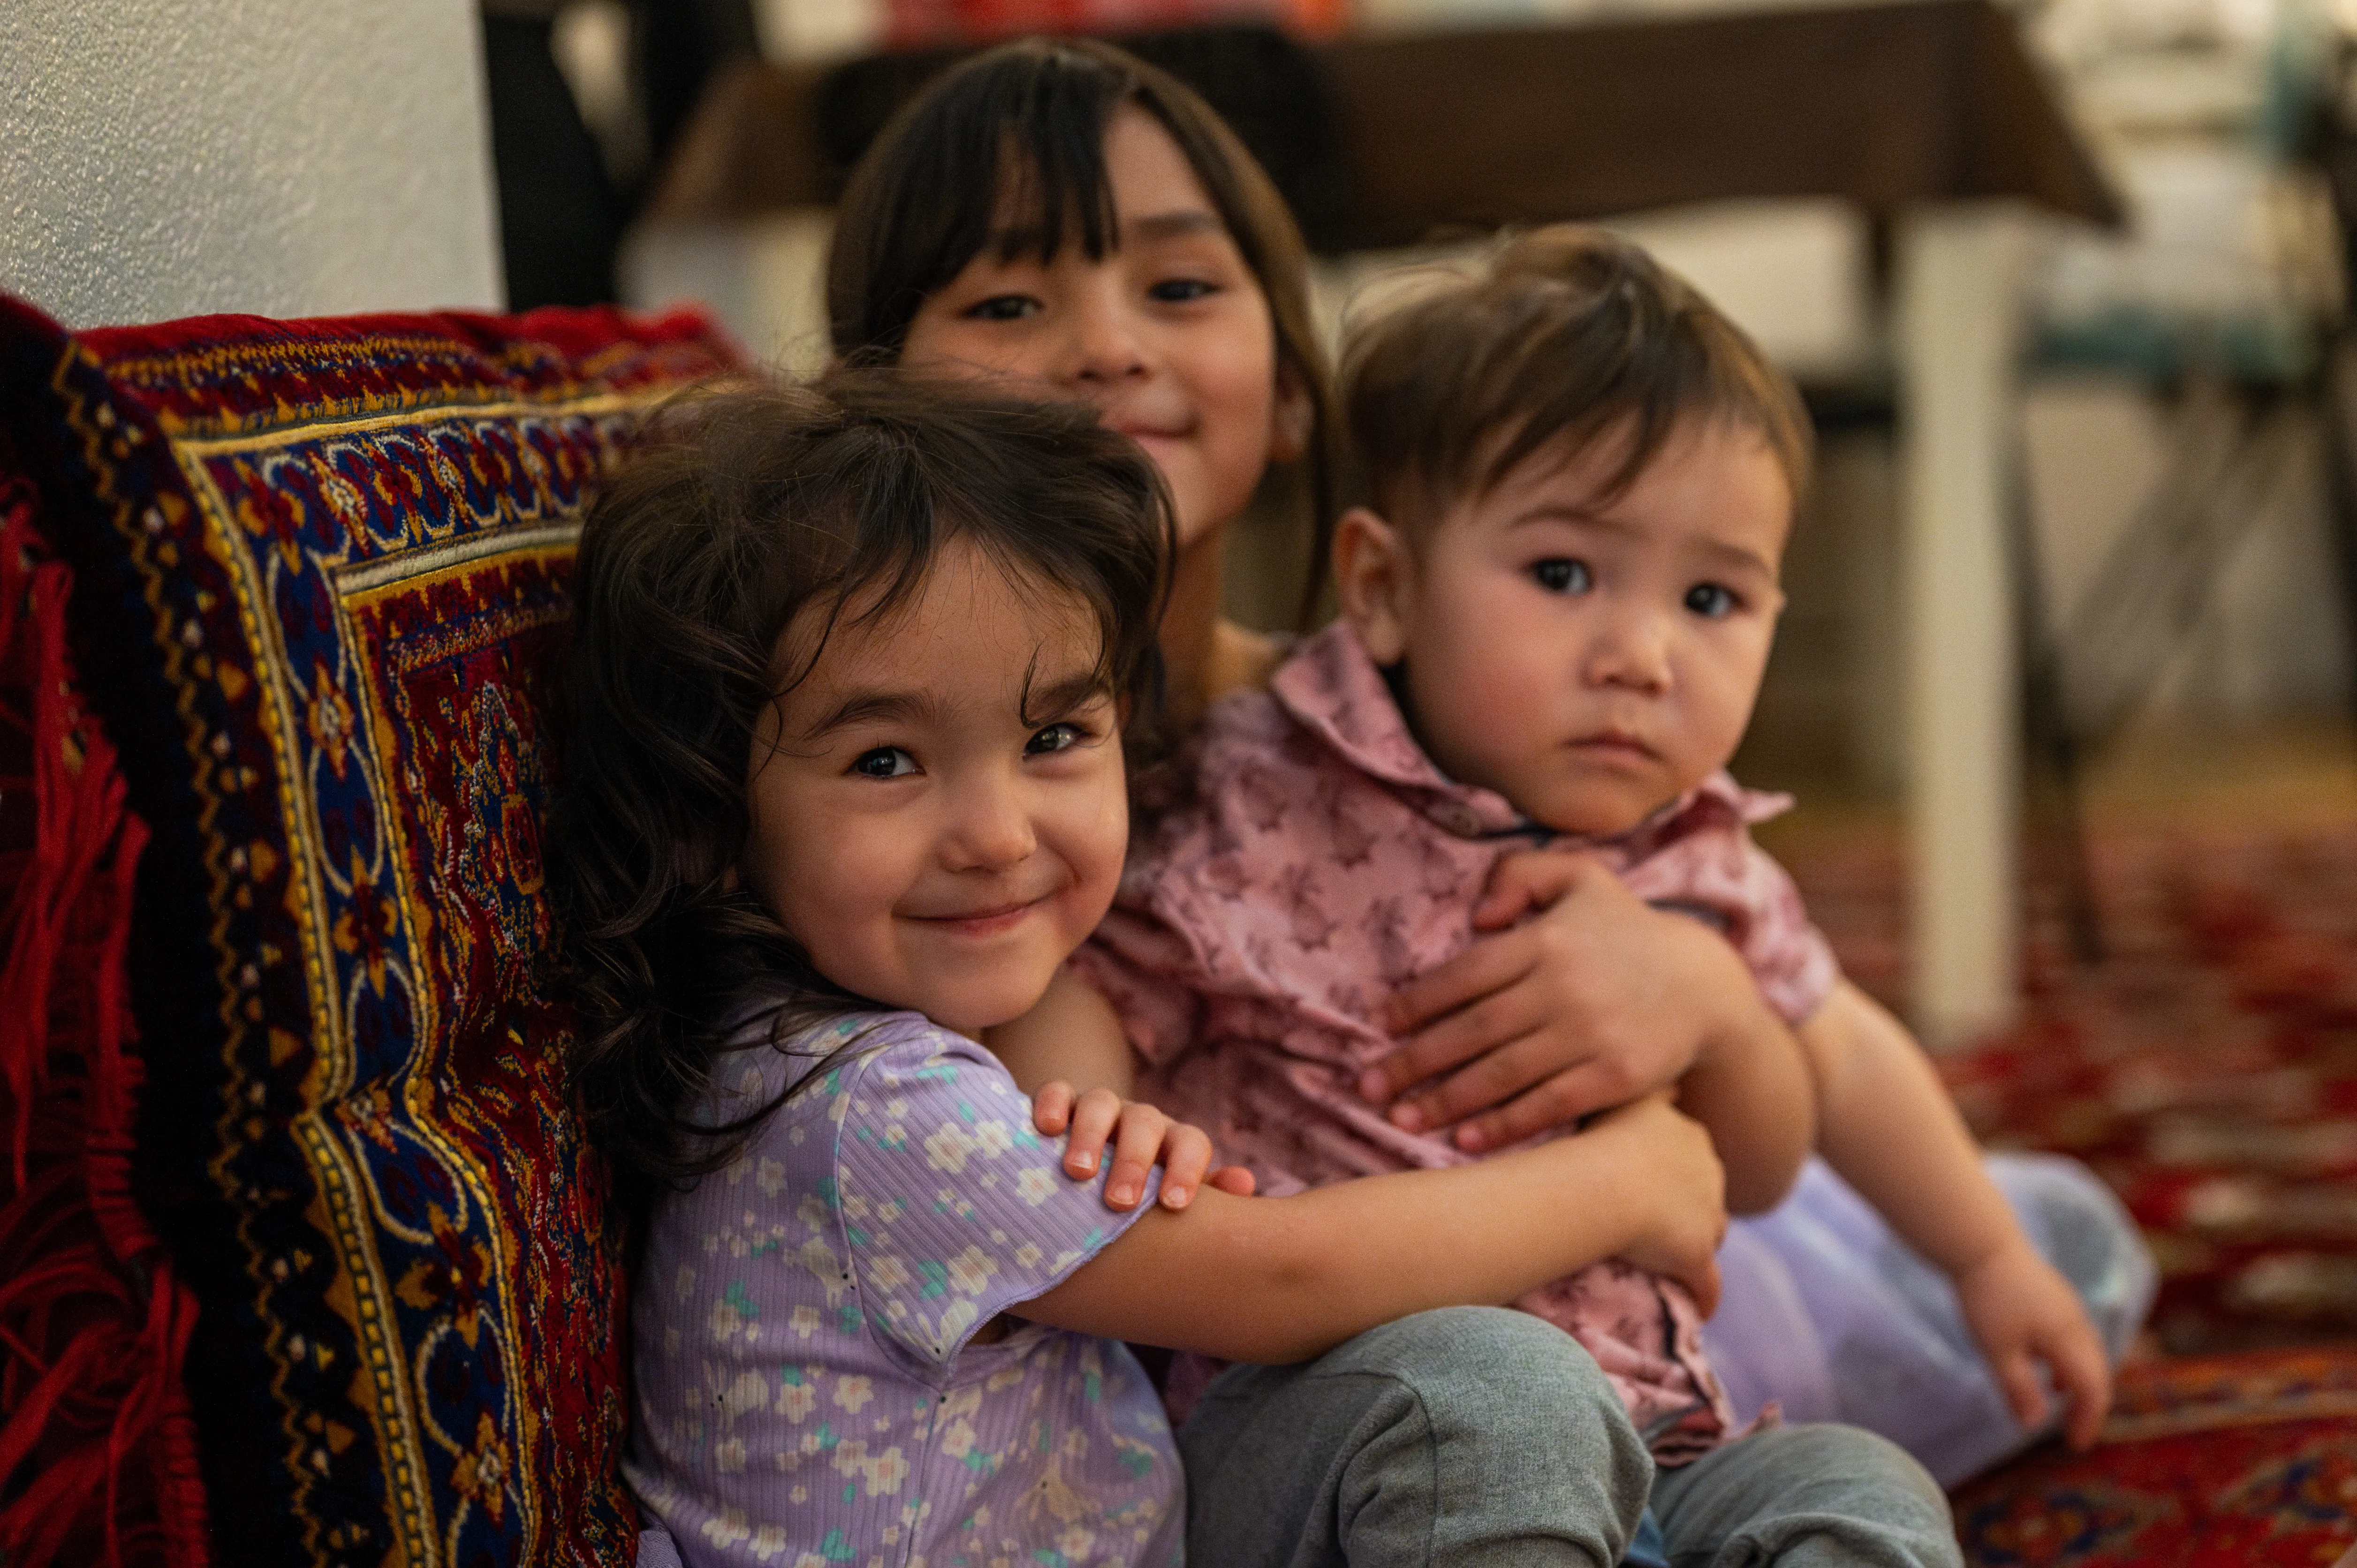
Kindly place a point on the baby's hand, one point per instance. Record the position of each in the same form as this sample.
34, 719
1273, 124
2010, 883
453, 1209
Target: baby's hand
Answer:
2021, 1311
1142, 1137
1672, 1156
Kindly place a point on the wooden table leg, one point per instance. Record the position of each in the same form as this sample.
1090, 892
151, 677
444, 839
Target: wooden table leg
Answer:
1957, 335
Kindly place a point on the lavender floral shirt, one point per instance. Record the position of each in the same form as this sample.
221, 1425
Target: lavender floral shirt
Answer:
809, 1390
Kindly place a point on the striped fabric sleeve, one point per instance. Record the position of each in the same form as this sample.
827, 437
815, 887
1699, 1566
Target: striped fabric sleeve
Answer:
953, 1209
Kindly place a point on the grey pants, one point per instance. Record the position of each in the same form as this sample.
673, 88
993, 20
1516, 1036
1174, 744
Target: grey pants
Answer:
1475, 1437
1805, 1497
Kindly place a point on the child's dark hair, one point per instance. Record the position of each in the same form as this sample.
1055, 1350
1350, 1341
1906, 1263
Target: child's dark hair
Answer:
1032, 116
1567, 336
745, 509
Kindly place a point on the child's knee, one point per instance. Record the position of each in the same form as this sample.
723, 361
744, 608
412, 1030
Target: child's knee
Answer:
1498, 1378
1496, 1436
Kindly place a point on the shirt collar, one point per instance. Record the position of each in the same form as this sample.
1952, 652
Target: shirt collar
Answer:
1332, 688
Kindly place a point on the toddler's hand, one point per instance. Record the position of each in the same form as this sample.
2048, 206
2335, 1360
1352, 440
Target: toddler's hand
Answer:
1142, 1138
1670, 1154
2022, 1311
1593, 1003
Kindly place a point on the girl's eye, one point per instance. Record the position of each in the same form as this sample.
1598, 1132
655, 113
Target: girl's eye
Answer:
1711, 601
1561, 574
1002, 307
1055, 738
1181, 291
885, 762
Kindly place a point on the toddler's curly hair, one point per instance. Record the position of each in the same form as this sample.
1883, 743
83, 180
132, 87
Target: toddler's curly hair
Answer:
744, 509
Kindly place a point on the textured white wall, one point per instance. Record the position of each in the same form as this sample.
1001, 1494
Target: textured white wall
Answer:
283, 158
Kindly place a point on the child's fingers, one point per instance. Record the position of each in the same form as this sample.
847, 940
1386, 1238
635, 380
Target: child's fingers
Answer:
1093, 1118
1051, 1107
1234, 1180
1502, 1011
1527, 880
2017, 1379
1548, 1104
1476, 972
1144, 1130
1505, 1048
2079, 1371
1186, 1159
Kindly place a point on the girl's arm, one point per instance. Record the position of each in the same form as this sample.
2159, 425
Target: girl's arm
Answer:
1070, 1055
1276, 1280
1888, 1125
1752, 1091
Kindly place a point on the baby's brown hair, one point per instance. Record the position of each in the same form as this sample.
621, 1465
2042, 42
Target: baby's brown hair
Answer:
1567, 336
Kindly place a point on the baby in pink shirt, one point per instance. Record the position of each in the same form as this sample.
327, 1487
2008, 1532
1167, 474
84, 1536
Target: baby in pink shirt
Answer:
1324, 861
1555, 615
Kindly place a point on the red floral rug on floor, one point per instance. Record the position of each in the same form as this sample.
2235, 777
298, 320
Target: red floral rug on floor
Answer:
2247, 1459
2206, 1068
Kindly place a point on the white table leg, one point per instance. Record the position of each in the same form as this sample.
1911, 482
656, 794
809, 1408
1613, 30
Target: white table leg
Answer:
1958, 329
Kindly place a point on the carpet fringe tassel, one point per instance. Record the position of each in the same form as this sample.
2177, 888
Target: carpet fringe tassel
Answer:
97, 1443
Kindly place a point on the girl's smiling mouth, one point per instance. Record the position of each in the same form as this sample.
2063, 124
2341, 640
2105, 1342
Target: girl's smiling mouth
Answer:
1147, 434
990, 921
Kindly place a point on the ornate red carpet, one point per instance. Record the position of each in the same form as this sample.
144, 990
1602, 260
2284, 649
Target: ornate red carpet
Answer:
2207, 1068
2248, 1459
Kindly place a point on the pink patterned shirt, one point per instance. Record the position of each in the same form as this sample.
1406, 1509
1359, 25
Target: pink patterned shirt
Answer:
1323, 860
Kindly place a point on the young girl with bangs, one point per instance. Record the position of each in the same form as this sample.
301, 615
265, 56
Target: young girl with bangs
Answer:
1066, 219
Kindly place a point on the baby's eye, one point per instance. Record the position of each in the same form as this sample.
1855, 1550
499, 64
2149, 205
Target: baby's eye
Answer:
1055, 738
885, 762
1561, 574
1002, 307
1180, 291
1711, 600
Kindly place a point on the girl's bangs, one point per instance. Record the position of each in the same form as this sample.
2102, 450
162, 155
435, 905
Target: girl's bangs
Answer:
1016, 168
1050, 182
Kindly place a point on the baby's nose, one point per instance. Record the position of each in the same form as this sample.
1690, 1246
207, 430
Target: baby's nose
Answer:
1633, 648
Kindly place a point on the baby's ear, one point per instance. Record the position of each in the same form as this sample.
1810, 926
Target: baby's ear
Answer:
1373, 578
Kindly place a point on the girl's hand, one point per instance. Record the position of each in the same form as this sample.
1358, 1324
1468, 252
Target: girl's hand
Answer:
2021, 1311
1670, 1154
1597, 1000
1142, 1138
